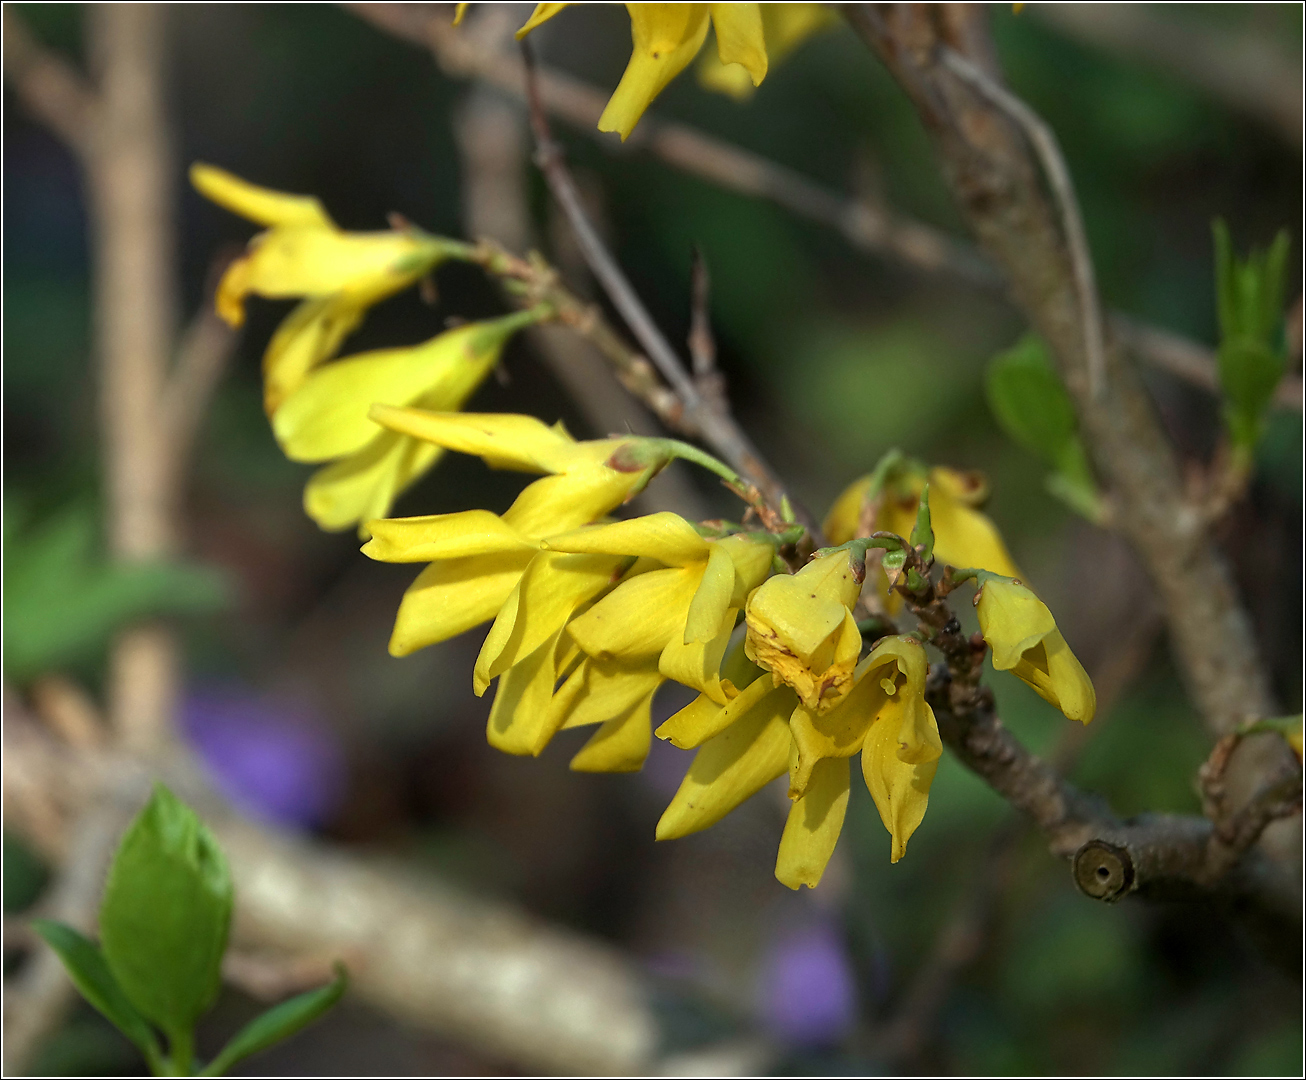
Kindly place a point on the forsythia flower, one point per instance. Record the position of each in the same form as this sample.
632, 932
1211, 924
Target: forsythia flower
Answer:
326, 417
304, 254
963, 536
765, 732
801, 628
666, 37
1025, 641
670, 618
784, 27
477, 558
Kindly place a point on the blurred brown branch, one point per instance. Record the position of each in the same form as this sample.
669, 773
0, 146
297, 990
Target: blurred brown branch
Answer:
1244, 71
872, 229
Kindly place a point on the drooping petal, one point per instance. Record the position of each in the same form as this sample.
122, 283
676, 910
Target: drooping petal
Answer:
639, 617
1058, 677
260, 204
519, 718
965, 537
752, 561
697, 665
551, 588
602, 690
732, 765
704, 718
711, 599
814, 824
501, 440
666, 37
1012, 620
452, 596
559, 504
542, 13
621, 744
443, 536
364, 485
667, 537
309, 335
901, 789
739, 38
309, 260
835, 734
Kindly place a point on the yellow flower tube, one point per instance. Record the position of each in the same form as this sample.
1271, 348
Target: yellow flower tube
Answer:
1025, 640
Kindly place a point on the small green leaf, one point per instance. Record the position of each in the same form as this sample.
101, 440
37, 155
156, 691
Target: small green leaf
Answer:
1031, 405
165, 914
922, 534
278, 1023
95, 982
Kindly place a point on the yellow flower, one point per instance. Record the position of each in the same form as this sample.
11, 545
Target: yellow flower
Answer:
477, 558
963, 536
765, 731
801, 628
1025, 641
784, 27
327, 417
304, 254
671, 617
666, 37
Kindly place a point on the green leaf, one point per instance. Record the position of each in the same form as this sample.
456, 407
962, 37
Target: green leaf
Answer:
1031, 405
1251, 357
922, 534
165, 914
278, 1023
95, 982
62, 601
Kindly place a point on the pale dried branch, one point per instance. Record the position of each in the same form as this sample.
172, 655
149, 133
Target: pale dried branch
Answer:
56, 92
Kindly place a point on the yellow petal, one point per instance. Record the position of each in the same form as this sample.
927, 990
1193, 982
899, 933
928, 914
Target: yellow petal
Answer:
842, 523
835, 734
260, 204
1059, 678
304, 260
1012, 620
697, 665
788, 25
966, 537
559, 504
443, 536
704, 718
328, 415
711, 600
364, 485
901, 789
813, 827
602, 690
666, 37
639, 617
731, 766
752, 561
620, 745
542, 13
309, 335
454, 595
739, 37
458, 12
667, 537
519, 717
551, 588
502, 440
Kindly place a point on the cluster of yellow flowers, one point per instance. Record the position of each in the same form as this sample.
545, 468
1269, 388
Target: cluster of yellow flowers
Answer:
666, 37
589, 616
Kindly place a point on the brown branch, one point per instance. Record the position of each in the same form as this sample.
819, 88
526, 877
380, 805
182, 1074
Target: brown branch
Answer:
474, 969
866, 228
994, 176
54, 91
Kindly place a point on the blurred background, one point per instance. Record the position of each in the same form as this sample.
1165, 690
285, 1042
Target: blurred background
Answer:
973, 955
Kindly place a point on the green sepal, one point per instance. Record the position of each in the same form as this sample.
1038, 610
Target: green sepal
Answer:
95, 982
165, 915
278, 1023
922, 534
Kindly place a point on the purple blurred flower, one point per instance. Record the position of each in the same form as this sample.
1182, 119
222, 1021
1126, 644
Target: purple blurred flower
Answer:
807, 993
273, 759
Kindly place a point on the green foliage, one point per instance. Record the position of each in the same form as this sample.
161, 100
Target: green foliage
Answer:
1031, 405
1252, 357
24, 875
62, 601
163, 924
166, 912
922, 534
96, 983
278, 1023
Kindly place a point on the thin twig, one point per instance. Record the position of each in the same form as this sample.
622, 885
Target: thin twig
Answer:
701, 340
1044, 141
717, 428
55, 91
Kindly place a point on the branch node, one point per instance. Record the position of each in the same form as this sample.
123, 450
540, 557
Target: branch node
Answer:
1103, 871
